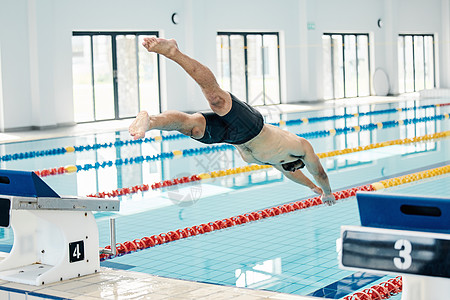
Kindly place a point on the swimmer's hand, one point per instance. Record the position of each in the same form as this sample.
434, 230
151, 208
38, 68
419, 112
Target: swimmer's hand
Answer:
328, 199
140, 125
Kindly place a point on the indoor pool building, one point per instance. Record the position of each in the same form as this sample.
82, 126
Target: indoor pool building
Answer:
199, 197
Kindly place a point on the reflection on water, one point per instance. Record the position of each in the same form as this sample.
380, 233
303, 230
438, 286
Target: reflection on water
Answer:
258, 274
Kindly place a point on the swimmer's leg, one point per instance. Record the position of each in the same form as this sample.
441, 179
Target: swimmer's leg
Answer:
218, 99
190, 125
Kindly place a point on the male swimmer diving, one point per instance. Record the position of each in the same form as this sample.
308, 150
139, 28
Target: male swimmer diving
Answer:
234, 122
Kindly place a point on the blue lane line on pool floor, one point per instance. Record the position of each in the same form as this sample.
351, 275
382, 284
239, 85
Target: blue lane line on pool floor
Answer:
345, 286
115, 265
28, 293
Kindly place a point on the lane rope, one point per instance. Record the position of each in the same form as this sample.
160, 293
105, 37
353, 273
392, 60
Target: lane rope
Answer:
147, 242
250, 168
224, 147
383, 290
362, 114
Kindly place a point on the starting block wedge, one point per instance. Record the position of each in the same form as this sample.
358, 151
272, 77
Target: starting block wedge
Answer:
55, 238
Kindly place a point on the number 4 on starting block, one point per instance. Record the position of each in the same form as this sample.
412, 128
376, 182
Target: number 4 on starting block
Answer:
76, 251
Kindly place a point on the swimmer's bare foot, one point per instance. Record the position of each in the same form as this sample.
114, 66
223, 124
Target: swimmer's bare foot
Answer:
168, 48
140, 125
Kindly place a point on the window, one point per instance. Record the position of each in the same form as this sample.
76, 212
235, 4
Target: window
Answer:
346, 67
416, 62
114, 77
249, 66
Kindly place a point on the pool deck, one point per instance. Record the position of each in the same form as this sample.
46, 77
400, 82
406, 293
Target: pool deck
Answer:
118, 284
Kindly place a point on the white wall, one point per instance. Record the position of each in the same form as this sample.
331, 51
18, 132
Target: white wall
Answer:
346, 16
444, 38
15, 64
35, 41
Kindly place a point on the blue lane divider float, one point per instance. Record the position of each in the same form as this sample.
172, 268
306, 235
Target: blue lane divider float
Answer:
359, 114
157, 157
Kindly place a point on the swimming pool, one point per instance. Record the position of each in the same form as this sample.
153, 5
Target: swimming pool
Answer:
290, 253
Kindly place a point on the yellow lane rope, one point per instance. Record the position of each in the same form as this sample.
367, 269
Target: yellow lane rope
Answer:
423, 138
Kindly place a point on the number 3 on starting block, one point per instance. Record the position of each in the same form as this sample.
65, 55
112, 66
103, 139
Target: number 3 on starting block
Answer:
76, 251
405, 260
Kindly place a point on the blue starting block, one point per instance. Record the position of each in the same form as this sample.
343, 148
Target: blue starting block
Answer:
55, 238
401, 234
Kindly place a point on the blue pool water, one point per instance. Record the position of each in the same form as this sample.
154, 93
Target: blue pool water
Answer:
291, 253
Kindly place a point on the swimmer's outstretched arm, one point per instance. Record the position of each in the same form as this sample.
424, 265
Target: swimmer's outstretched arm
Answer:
314, 167
300, 178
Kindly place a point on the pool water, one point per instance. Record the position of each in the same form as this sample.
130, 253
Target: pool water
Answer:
291, 253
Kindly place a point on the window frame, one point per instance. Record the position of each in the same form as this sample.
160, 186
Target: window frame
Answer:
413, 35
262, 34
113, 35
330, 34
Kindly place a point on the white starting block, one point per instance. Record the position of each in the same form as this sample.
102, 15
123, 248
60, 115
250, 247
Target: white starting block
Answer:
407, 235
55, 238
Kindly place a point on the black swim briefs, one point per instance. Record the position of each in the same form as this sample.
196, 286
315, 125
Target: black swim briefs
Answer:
238, 126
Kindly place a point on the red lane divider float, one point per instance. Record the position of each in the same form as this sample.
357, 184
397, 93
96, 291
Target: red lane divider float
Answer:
48, 172
145, 187
380, 291
147, 242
